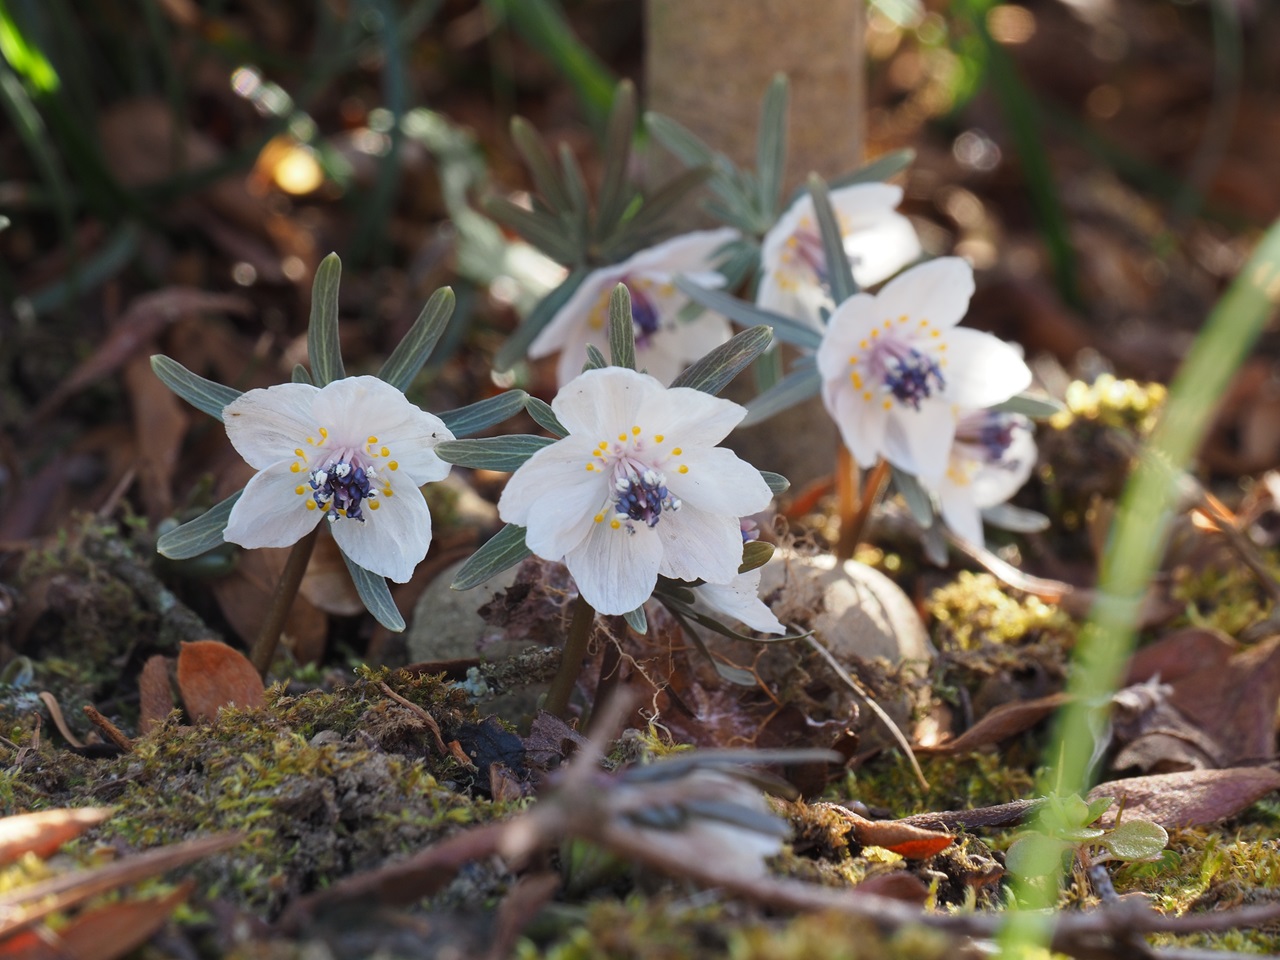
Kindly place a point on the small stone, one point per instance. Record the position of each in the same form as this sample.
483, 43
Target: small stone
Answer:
854, 609
447, 626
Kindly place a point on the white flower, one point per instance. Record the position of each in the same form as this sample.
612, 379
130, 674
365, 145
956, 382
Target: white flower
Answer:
991, 459
638, 488
878, 241
739, 599
665, 344
896, 368
355, 451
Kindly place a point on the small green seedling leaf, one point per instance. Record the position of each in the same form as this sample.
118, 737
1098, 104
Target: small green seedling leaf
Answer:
323, 349
1037, 406
1035, 855
776, 481
595, 359
637, 621
300, 374
1136, 840
196, 390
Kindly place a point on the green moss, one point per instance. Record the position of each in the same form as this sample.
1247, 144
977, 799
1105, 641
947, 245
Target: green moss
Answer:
1227, 597
955, 783
976, 609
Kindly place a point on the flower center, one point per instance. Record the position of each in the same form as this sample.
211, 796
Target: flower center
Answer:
987, 437
634, 465
343, 480
340, 488
805, 249
906, 365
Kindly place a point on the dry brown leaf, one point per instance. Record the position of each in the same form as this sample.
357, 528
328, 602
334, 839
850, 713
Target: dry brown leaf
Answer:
23, 906
110, 931
246, 593
155, 693
213, 675
159, 424
1236, 705
44, 832
1188, 798
1194, 651
134, 333
1004, 721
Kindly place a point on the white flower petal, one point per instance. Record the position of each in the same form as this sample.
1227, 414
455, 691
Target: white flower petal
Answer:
850, 324
982, 370
555, 497
919, 441
270, 512
718, 481
688, 253
267, 425
960, 512
739, 599
393, 539
616, 571
862, 423
599, 403
700, 545
995, 483
937, 291
570, 322
687, 418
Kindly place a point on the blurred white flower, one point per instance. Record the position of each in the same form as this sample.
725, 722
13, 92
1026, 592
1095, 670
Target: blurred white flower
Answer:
896, 368
739, 599
638, 488
355, 451
991, 458
878, 241
665, 343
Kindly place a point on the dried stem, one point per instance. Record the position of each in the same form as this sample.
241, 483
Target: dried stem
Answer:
264, 648
847, 475
575, 651
853, 526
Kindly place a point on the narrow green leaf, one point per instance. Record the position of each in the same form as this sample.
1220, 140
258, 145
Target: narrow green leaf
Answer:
771, 146
492, 453
776, 481
637, 621
1038, 406
878, 170
545, 417
796, 387
536, 156
713, 372
518, 343
200, 535
578, 216
412, 353
652, 217
614, 194
504, 549
1014, 519
680, 140
544, 231
749, 315
196, 390
595, 359
474, 417
323, 349
300, 374
917, 498
622, 328
755, 554
375, 595
839, 270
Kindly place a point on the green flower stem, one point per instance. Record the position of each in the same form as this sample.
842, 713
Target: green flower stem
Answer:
264, 648
575, 651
